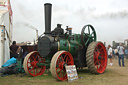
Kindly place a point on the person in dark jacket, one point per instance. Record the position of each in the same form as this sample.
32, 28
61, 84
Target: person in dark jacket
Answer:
13, 50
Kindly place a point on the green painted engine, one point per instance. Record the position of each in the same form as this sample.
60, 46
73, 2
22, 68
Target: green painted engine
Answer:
59, 48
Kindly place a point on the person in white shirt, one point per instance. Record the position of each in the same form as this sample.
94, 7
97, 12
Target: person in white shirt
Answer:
110, 54
121, 54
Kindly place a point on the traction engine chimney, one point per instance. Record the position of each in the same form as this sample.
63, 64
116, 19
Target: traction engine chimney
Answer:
47, 10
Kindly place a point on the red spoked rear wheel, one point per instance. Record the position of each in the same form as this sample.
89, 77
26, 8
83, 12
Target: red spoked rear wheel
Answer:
58, 63
30, 64
96, 57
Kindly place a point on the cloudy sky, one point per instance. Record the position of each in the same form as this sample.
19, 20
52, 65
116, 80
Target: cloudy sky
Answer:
109, 17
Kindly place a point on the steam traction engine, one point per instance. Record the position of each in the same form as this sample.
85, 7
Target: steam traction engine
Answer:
57, 49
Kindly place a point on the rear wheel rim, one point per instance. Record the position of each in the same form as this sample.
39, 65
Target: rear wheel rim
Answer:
100, 58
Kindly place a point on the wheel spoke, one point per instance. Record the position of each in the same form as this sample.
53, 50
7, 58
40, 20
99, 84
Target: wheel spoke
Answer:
103, 58
36, 69
87, 41
57, 68
97, 48
29, 66
59, 60
88, 30
33, 58
40, 69
39, 59
101, 66
101, 49
67, 60
36, 57
98, 62
95, 62
62, 58
57, 65
69, 63
28, 62
65, 56
92, 37
91, 33
95, 52
31, 69
97, 66
86, 35
59, 71
63, 73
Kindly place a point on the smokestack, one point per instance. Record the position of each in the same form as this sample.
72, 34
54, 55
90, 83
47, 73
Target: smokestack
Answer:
47, 10
36, 35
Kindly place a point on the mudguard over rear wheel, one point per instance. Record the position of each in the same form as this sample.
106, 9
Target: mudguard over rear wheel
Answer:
96, 57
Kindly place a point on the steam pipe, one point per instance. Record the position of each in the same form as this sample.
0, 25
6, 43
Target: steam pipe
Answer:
47, 10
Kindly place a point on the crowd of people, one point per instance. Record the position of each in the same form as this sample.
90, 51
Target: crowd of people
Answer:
119, 51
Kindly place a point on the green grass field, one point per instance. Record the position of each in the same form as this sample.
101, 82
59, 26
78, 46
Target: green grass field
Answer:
114, 75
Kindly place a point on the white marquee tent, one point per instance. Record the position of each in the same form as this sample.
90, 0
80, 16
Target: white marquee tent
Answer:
5, 34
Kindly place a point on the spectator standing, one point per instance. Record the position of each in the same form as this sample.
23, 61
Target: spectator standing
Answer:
121, 54
126, 53
110, 54
13, 50
116, 53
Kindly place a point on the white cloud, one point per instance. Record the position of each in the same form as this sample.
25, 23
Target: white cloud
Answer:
109, 17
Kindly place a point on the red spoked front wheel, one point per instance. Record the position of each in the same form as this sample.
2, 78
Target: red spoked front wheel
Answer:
30, 64
58, 63
96, 57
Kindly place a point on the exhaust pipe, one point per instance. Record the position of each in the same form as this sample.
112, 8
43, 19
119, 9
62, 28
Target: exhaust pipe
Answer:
47, 11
